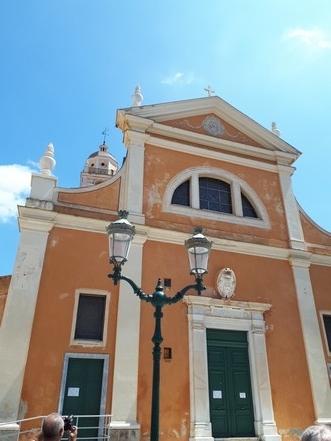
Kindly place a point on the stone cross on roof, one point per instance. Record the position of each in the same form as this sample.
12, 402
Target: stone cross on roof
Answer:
209, 90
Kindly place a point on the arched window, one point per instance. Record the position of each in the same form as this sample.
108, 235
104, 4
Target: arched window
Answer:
181, 195
248, 209
215, 195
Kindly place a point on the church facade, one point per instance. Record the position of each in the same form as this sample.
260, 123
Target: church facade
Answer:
249, 358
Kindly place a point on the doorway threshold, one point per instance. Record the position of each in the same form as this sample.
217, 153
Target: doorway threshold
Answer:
244, 438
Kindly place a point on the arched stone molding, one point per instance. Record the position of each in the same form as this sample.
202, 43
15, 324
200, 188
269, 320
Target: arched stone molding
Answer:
238, 186
203, 313
94, 187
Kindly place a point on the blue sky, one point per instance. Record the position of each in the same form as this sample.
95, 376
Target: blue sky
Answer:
67, 65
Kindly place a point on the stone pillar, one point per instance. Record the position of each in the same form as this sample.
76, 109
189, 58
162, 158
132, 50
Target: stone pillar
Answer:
200, 427
15, 330
133, 187
125, 381
292, 215
17, 321
265, 421
319, 379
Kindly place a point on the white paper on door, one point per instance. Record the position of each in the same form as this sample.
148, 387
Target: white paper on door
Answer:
73, 392
217, 394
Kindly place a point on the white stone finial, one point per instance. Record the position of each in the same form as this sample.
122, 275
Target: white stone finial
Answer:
137, 97
275, 129
47, 161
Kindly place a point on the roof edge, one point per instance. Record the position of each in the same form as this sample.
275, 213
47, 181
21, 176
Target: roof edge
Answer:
215, 104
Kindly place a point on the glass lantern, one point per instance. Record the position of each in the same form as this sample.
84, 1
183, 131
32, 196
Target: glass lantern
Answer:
198, 249
120, 233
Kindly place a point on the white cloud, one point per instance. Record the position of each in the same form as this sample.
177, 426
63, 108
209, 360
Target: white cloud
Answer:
33, 164
14, 187
178, 78
313, 38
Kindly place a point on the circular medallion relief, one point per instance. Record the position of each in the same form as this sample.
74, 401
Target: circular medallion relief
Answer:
213, 126
226, 283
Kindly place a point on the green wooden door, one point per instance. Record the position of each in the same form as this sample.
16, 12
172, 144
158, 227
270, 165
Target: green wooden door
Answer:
82, 395
230, 394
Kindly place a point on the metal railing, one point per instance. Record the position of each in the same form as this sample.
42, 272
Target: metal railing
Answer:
90, 428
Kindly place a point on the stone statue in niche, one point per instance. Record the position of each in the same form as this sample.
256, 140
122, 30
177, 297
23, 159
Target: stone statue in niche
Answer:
226, 283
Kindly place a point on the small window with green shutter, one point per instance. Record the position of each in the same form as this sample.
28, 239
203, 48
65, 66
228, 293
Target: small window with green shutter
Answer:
90, 317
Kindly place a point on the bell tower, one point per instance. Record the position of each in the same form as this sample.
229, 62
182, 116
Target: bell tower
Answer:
99, 167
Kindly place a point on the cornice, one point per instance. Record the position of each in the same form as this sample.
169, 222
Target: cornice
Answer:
190, 139
321, 259
35, 219
231, 246
219, 143
127, 121
218, 106
300, 258
226, 304
212, 154
44, 220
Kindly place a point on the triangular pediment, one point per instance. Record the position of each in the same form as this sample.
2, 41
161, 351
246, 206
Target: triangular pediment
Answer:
210, 124
212, 117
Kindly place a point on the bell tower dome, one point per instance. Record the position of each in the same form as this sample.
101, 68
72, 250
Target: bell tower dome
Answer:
99, 167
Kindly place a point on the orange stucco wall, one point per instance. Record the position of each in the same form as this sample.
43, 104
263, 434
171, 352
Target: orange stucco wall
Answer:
74, 259
160, 167
104, 197
258, 280
315, 236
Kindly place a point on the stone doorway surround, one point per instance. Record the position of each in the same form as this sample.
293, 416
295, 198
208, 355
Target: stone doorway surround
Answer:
206, 312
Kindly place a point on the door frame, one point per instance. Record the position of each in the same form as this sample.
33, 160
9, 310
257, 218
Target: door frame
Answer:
103, 397
207, 312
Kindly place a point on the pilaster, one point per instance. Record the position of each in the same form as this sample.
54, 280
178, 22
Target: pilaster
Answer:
264, 415
312, 338
200, 429
132, 200
294, 226
18, 317
125, 380
17, 321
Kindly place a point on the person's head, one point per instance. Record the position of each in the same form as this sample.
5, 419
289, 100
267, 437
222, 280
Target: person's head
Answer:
317, 433
53, 427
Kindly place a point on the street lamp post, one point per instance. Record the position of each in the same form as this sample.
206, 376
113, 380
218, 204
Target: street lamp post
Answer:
121, 233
